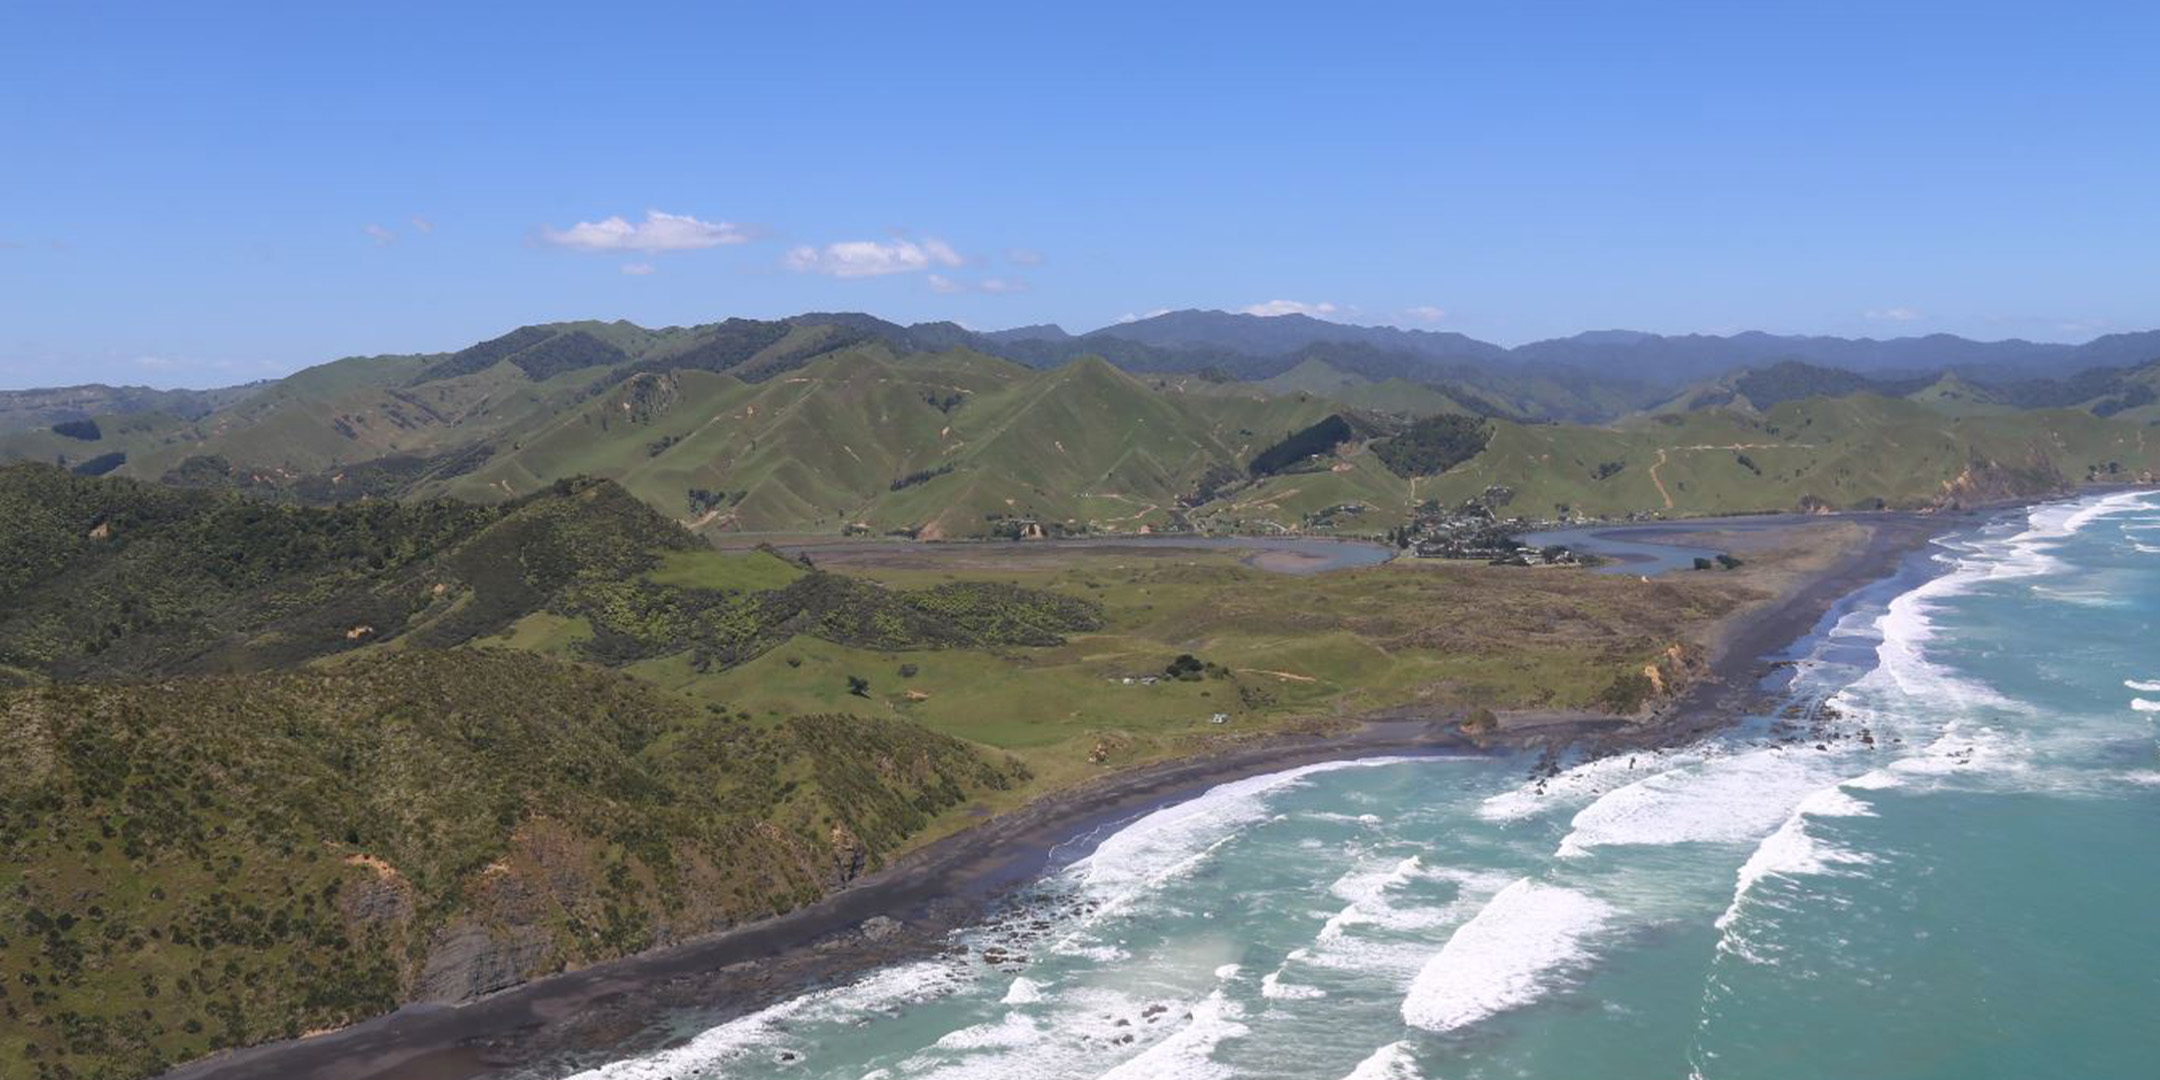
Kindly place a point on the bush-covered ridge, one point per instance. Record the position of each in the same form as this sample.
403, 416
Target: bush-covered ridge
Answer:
637, 619
109, 577
211, 862
1434, 445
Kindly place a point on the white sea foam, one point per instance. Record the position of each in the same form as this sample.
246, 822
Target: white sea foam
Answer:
1189, 1053
1719, 800
2145, 705
1176, 839
1390, 1062
1578, 784
1366, 935
2080, 597
1792, 849
767, 1029
1516, 949
2121, 502
1091, 1028
1023, 991
1227, 972
2143, 686
1963, 748
1274, 989
1013, 1030
1369, 886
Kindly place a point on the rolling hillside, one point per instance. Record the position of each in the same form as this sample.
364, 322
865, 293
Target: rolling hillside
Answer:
838, 423
1859, 452
24, 410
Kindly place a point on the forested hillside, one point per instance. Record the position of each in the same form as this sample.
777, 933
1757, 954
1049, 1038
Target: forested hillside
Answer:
213, 862
267, 768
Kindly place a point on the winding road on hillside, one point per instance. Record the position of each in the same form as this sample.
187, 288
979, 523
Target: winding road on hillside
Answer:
1735, 447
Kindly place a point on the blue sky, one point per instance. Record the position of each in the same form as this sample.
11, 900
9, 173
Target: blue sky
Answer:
199, 194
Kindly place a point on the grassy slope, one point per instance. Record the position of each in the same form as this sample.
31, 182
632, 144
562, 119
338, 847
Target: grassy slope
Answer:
139, 436
1840, 452
1321, 379
819, 447
1447, 636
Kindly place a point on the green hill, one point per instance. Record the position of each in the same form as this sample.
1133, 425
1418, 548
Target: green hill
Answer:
111, 577
845, 424
256, 779
1857, 452
214, 862
1321, 379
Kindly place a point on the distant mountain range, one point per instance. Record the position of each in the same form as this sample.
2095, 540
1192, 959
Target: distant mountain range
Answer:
1654, 359
21, 409
843, 422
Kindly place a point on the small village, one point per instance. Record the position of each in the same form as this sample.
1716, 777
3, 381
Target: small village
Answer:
1475, 530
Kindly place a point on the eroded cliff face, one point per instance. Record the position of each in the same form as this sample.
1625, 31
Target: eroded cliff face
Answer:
561, 897
1986, 481
560, 900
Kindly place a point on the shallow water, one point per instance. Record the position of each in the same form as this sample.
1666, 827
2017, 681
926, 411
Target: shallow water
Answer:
1319, 554
1939, 863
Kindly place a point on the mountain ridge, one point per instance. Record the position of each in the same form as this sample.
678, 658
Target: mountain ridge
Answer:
844, 422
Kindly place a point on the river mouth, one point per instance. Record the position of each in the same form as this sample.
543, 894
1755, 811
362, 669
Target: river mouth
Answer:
1276, 554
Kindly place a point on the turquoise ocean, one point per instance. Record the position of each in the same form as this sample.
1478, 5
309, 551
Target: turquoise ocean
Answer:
1938, 857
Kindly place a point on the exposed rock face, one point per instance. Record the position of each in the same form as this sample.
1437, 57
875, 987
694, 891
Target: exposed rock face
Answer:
465, 961
848, 858
646, 397
383, 898
1989, 481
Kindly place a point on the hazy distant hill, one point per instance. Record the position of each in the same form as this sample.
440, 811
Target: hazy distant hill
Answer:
1278, 335
24, 409
1644, 357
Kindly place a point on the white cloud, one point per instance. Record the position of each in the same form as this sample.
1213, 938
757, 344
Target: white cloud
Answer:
1288, 307
1130, 317
1024, 257
870, 258
658, 232
153, 362
422, 224
381, 235
637, 269
1425, 313
993, 286
1895, 314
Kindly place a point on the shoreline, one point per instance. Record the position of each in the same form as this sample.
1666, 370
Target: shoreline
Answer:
908, 909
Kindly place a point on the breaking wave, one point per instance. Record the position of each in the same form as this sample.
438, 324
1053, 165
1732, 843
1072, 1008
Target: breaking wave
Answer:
1517, 949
